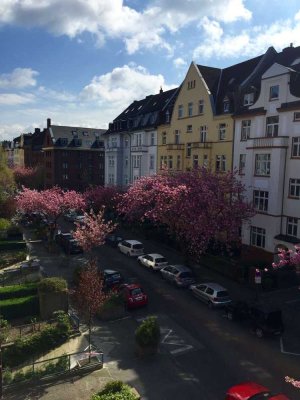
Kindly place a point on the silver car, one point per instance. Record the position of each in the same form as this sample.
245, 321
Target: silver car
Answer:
211, 293
180, 275
153, 261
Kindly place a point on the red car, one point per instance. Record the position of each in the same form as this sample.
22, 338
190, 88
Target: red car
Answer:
134, 295
252, 391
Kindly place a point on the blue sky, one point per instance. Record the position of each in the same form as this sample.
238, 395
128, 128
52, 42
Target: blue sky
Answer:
81, 62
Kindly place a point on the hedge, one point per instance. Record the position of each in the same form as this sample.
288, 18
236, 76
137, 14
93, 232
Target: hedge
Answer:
115, 390
52, 285
19, 307
15, 291
12, 245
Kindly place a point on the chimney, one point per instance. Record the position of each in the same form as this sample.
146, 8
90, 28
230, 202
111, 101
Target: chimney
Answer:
37, 130
48, 122
161, 90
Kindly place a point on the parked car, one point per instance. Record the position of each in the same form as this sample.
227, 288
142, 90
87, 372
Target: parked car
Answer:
134, 295
153, 261
264, 319
131, 248
113, 240
62, 236
252, 391
213, 294
112, 279
71, 246
79, 218
70, 215
180, 275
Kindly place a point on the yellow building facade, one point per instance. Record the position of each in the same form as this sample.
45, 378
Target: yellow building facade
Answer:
196, 134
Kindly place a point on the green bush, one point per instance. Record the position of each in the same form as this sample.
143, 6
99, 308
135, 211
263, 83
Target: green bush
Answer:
12, 245
11, 257
33, 346
19, 307
7, 377
52, 285
4, 224
114, 300
148, 333
15, 291
115, 390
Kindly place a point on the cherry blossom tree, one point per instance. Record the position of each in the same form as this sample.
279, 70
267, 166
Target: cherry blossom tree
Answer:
28, 177
92, 231
288, 257
100, 196
89, 295
196, 206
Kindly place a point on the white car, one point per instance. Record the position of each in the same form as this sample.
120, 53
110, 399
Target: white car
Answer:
154, 261
131, 248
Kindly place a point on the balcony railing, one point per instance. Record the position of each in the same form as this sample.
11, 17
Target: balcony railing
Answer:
201, 145
175, 146
139, 149
278, 141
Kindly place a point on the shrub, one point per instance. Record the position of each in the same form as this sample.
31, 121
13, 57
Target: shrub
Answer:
148, 333
7, 377
115, 390
114, 300
52, 285
11, 257
15, 291
4, 224
19, 307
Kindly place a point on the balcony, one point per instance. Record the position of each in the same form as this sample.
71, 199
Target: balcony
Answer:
175, 146
268, 142
201, 145
139, 149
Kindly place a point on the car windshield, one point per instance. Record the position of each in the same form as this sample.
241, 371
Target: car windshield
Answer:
136, 292
185, 275
160, 260
137, 246
222, 293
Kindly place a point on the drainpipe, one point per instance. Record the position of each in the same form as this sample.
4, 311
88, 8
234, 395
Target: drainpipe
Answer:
283, 186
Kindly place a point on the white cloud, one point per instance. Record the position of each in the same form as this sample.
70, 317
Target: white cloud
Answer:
112, 19
249, 42
179, 62
123, 85
19, 78
12, 99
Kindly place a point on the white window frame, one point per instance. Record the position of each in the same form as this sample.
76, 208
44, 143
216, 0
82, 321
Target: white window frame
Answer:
245, 129
248, 99
189, 128
294, 188
242, 164
177, 136
258, 237
178, 162
274, 92
261, 200
152, 139
195, 161
180, 111
114, 142
263, 164
201, 106
222, 131
205, 160
188, 149
272, 126
292, 226
164, 138
295, 147
170, 162
203, 133
297, 116
151, 161
190, 109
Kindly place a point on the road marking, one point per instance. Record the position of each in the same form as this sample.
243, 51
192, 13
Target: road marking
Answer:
286, 352
182, 349
170, 338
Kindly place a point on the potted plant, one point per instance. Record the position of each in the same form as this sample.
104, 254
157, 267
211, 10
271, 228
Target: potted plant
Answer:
147, 337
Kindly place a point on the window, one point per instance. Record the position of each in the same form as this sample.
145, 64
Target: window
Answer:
178, 162
296, 116
170, 162
201, 107
260, 200
111, 161
189, 128
296, 147
135, 178
294, 188
164, 138
151, 162
205, 160
292, 226
111, 179
136, 161
126, 141
138, 139
203, 133
195, 161
126, 179
152, 139
272, 126
226, 105
126, 161
222, 131
262, 164
220, 163
245, 129
180, 111
113, 142
191, 84
242, 164
177, 136
65, 165
188, 149
190, 109
163, 161
248, 99
258, 236
167, 117
65, 177
274, 92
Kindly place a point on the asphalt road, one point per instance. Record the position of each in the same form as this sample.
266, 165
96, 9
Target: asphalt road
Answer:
210, 353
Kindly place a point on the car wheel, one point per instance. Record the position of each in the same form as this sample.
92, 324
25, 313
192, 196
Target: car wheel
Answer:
259, 332
230, 315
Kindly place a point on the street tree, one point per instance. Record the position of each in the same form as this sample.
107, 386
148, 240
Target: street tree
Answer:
7, 187
92, 231
89, 295
100, 196
198, 207
30, 177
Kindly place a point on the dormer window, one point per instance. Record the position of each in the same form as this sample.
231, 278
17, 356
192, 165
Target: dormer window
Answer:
248, 99
226, 105
274, 92
64, 141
